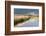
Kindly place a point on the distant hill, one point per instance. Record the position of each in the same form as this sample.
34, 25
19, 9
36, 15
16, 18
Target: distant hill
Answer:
33, 14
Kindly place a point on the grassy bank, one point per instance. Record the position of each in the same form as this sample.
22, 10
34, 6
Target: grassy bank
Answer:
20, 20
16, 21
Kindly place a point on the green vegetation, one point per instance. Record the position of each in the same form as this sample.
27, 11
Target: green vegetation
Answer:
16, 21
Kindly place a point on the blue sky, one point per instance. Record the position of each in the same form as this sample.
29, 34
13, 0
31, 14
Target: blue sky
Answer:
25, 11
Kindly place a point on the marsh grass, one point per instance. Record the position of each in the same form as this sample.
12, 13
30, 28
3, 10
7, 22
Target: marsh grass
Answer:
16, 21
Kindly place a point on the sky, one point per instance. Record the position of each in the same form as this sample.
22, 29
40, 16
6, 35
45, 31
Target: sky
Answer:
26, 11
